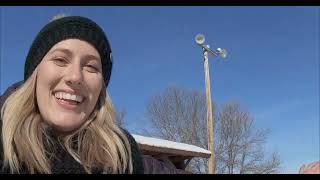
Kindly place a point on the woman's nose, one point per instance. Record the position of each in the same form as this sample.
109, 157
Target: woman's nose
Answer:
74, 74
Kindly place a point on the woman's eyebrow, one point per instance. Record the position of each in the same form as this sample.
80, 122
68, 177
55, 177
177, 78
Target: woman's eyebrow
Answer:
91, 57
66, 51
69, 53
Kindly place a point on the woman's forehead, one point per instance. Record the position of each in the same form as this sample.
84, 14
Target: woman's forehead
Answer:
78, 46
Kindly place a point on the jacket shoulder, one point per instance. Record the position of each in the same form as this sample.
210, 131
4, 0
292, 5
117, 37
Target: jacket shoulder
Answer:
9, 91
135, 154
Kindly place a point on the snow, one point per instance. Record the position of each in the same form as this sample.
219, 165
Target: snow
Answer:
168, 144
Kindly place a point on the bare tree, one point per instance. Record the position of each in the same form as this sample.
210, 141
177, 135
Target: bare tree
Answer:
180, 115
240, 146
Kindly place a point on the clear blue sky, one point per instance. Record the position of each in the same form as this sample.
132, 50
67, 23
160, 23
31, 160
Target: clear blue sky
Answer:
272, 68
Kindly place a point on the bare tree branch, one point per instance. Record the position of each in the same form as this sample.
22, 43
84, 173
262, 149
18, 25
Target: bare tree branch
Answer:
180, 115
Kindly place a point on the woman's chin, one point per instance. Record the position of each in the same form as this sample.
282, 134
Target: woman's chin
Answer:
66, 124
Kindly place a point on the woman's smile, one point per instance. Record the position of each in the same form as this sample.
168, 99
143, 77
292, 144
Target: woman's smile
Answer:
68, 101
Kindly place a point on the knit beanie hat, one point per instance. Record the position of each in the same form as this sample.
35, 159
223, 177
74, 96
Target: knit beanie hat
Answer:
65, 28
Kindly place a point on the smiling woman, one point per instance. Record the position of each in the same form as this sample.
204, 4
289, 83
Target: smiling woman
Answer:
60, 119
67, 84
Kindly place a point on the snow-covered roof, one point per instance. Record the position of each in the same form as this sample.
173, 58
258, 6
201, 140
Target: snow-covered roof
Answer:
170, 147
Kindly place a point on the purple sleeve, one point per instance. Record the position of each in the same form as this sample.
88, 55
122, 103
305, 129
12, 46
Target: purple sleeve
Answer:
154, 166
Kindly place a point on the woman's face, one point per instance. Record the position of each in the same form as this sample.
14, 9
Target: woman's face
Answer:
69, 83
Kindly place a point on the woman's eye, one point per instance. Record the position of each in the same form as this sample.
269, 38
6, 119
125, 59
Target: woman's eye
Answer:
60, 61
92, 68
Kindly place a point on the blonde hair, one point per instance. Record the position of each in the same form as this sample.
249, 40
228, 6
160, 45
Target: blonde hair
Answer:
101, 143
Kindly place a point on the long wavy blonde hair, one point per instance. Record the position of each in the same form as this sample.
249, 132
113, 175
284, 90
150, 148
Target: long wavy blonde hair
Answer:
100, 142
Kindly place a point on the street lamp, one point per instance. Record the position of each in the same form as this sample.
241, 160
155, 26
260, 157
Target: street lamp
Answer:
200, 39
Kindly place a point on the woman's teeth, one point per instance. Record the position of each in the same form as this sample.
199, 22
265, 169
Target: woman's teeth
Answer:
67, 96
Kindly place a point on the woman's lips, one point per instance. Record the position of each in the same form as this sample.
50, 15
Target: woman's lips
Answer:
67, 104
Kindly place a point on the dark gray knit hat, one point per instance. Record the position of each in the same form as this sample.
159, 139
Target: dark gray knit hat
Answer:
65, 28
